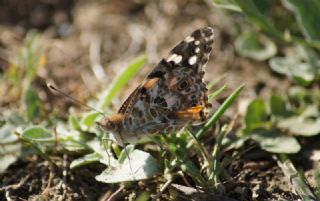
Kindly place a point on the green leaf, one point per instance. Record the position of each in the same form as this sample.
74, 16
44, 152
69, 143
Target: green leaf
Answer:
301, 126
226, 4
301, 72
255, 46
125, 152
274, 141
10, 150
256, 114
71, 140
298, 94
74, 123
85, 160
89, 119
308, 15
194, 172
254, 15
31, 56
216, 93
32, 103
37, 133
264, 6
120, 81
138, 166
14, 118
311, 111
278, 106
6, 134
107, 157
216, 116
8, 155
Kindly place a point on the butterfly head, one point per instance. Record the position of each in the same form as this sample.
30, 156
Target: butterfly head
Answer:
111, 123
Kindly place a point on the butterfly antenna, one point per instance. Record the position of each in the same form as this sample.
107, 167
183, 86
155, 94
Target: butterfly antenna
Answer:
53, 88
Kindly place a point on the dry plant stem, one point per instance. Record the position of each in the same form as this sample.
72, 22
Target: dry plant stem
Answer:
45, 192
184, 179
9, 143
8, 196
15, 186
163, 188
113, 195
295, 178
105, 196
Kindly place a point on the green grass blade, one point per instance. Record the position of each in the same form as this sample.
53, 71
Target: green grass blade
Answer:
217, 80
216, 116
307, 15
217, 93
194, 172
216, 154
120, 81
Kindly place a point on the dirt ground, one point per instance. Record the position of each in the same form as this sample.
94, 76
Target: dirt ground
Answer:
73, 33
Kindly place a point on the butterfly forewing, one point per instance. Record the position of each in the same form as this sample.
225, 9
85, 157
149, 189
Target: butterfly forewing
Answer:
173, 93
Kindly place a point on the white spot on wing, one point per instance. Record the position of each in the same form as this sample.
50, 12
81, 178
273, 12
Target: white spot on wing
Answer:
192, 60
175, 58
197, 42
189, 39
197, 50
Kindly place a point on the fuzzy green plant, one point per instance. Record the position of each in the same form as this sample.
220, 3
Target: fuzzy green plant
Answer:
277, 126
15, 86
289, 28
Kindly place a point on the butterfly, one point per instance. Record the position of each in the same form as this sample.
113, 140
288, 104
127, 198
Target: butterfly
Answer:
172, 95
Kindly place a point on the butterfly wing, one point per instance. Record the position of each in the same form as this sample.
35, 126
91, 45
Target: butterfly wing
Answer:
174, 92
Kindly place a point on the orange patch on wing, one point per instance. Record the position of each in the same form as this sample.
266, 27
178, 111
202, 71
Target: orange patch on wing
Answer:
150, 83
192, 113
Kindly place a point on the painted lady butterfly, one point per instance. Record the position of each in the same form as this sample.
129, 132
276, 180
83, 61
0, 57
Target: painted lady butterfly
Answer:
172, 95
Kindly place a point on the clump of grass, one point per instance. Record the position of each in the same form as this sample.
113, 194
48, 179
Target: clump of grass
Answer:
15, 87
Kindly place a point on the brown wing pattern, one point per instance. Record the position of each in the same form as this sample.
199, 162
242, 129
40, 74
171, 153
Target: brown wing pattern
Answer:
129, 101
174, 90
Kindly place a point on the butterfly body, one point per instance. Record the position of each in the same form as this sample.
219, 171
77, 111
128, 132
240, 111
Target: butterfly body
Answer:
172, 95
